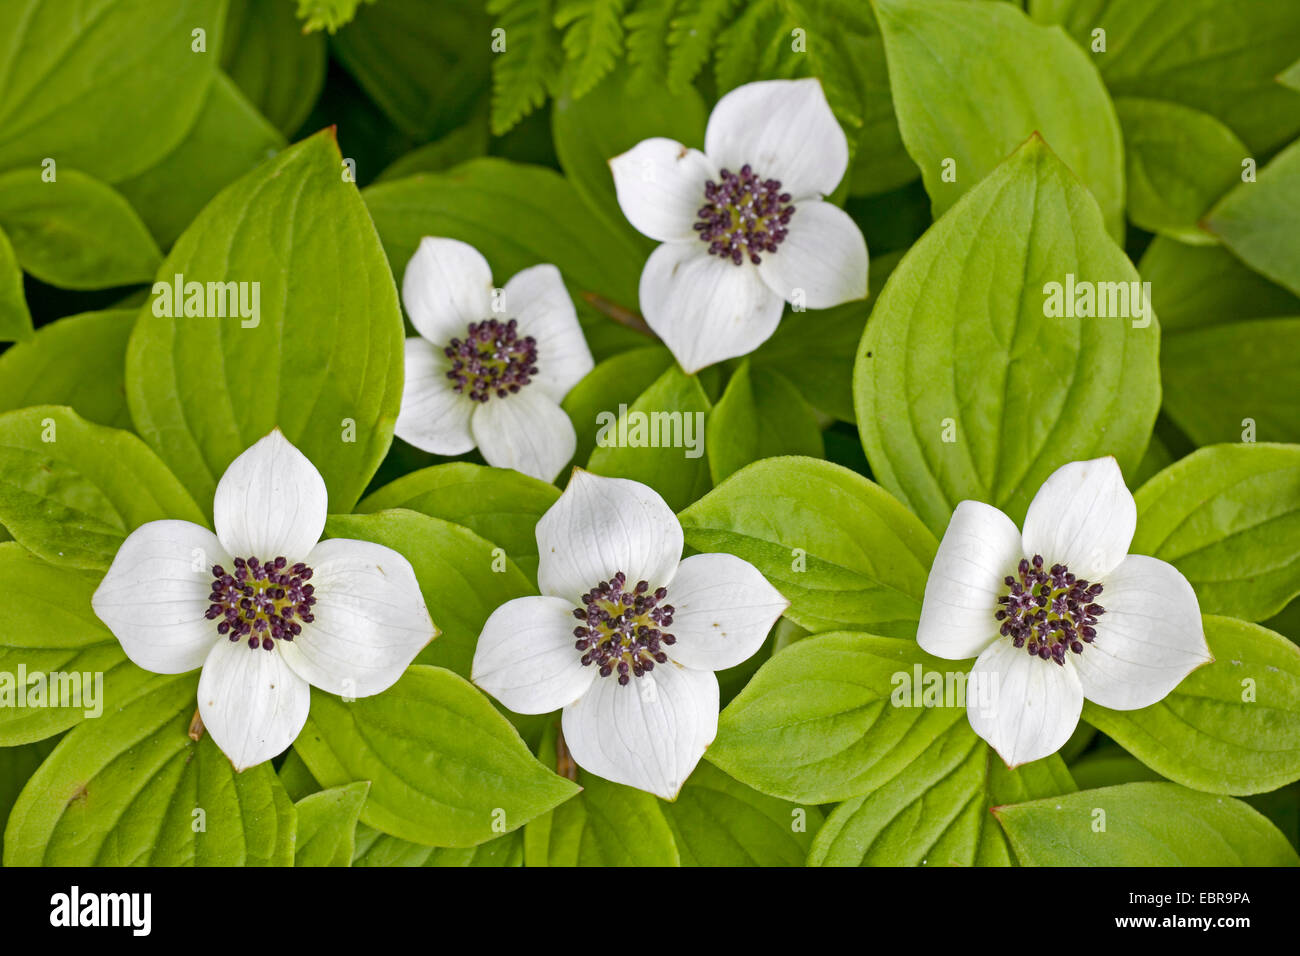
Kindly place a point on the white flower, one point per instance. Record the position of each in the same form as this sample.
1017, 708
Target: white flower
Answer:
239, 604
743, 225
489, 369
1058, 613
635, 676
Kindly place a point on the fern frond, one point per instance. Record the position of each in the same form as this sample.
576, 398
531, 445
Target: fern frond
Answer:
758, 44
593, 40
523, 73
647, 38
691, 36
327, 14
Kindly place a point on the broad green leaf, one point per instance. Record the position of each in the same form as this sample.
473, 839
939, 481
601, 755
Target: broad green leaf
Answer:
1228, 517
75, 232
78, 361
1217, 56
819, 724
17, 764
445, 768
1290, 77
322, 359
972, 81
518, 216
15, 319
58, 663
132, 789
1256, 221
227, 139
380, 849
423, 64
462, 578
460, 145
278, 66
1157, 458
1108, 767
1196, 286
843, 551
83, 86
935, 812
71, 491
658, 440
760, 415
616, 381
718, 821
814, 350
1179, 161
591, 129
607, 824
970, 383
1232, 726
1143, 824
327, 825
1234, 382
296, 778
498, 504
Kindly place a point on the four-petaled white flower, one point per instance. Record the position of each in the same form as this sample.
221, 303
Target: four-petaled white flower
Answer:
1058, 613
626, 635
743, 225
489, 369
263, 607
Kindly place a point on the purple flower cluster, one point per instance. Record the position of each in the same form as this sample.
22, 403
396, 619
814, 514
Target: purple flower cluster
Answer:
1049, 612
623, 628
491, 360
743, 215
262, 602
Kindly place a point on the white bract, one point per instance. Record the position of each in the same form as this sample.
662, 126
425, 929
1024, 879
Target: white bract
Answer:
264, 606
743, 225
626, 635
489, 367
1059, 612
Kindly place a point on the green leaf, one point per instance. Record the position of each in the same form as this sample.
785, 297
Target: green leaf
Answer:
227, 139
1143, 824
327, 825
814, 350
1232, 726
1256, 221
1290, 77
75, 232
78, 361
424, 65
611, 119
380, 849
1234, 382
522, 73
445, 768
1217, 56
966, 386
816, 723
718, 821
841, 549
936, 811
279, 67
1228, 517
1179, 161
458, 575
658, 440
81, 88
323, 361
618, 380
132, 789
949, 61
760, 415
59, 664
691, 30
1196, 286
327, 14
498, 504
15, 319
517, 216
17, 764
71, 491
607, 824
